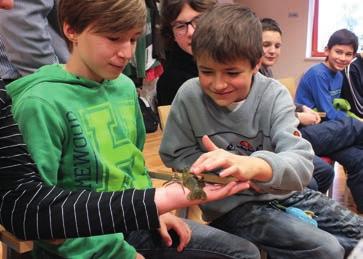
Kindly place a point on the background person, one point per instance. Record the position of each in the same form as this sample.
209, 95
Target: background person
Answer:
178, 22
317, 89
323, 175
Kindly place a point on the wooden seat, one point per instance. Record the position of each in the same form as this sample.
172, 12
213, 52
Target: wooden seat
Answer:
163, 114
14, 247
290, 84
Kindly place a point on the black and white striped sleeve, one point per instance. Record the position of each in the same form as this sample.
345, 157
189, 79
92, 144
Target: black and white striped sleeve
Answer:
32, 210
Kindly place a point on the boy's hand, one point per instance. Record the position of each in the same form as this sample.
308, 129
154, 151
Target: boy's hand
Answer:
244, 168
174, 196
308, 116
170, 221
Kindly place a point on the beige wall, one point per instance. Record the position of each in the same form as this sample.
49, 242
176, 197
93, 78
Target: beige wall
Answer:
292, 61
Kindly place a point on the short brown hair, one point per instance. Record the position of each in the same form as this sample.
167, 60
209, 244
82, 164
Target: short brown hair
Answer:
269, 24
170, 10
104, 16
227, 33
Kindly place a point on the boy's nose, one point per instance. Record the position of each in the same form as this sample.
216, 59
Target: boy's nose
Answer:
220, 84
272, 50
126, 51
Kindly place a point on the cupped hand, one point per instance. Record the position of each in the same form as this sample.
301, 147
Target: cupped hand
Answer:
169, 221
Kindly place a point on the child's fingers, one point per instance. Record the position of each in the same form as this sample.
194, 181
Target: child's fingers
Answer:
233, 171
165, 235
240, 186
198, 166
208, 144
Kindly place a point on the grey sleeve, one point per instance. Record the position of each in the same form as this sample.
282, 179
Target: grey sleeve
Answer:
291, 159
27, 38
179, 147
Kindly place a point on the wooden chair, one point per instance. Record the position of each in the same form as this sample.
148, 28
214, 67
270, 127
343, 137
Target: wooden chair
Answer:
290, 84
13, 247
163, 114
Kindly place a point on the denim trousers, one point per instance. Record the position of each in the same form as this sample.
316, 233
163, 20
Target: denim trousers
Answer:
342, 141
206, 242
285, 236
323, 175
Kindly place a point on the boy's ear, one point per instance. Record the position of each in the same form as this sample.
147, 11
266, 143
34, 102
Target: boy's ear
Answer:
257, 67
326, 51
70, 33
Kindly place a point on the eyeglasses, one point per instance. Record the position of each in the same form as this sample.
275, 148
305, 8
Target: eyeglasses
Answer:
181, 28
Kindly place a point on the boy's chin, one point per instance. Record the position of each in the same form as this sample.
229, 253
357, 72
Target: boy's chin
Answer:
111, 77
222, 103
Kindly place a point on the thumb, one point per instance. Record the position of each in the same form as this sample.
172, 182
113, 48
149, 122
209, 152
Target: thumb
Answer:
208, 144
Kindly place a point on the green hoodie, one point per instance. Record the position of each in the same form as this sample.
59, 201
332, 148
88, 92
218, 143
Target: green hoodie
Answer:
82, 135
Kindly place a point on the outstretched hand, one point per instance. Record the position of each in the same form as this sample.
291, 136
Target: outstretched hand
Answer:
174, 196
244, 168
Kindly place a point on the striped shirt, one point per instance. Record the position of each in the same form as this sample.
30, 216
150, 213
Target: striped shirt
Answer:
32, 210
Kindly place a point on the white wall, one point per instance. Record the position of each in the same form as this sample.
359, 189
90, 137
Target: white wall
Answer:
292, 61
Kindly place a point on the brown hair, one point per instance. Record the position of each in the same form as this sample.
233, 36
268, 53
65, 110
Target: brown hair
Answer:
104, 16
269, 24
227, 33
170, 10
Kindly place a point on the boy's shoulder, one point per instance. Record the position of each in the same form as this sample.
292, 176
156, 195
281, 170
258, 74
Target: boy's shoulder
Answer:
29, 83
318, 70
191, 87
266, 84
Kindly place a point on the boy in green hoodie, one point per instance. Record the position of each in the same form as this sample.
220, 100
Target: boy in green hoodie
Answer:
82, 120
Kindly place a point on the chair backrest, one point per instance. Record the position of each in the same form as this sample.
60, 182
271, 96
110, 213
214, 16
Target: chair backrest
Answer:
163, 114
290, 84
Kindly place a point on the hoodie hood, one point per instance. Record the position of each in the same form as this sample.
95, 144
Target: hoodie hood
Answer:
51, 75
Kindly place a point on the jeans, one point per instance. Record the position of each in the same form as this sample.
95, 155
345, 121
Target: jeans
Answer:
341, 140
323, 175
285, 236
206, 242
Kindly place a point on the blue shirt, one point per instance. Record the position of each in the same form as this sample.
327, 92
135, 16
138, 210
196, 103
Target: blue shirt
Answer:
317, 89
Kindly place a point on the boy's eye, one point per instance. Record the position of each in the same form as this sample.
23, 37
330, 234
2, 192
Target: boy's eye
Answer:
233, 73
113, 38
205, 72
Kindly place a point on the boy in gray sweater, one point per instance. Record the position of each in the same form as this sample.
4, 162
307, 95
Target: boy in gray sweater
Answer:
235, 121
